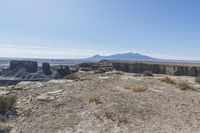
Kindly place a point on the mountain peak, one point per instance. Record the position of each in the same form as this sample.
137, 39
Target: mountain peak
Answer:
124, 56
95, 56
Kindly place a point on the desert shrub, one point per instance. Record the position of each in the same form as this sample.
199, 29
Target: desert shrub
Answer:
94, 98
109, 113
168, 80
4, 128
184, 86
197, 79
148, 73
139, 88
7, 104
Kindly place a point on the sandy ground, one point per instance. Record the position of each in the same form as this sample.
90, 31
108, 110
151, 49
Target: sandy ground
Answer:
106, 103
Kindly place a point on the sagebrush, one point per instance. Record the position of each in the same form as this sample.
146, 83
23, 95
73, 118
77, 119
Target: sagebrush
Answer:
7, 104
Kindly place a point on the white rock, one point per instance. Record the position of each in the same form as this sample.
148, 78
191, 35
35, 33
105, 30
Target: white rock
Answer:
45, 97
61, 81
49, 95
55, 92
4, 93
105, 77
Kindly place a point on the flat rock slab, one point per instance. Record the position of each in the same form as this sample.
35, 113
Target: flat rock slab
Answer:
44, 97
106, 77
55, 92
61, 81
48, 96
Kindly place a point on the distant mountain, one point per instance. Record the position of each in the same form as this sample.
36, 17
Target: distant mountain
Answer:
125, 56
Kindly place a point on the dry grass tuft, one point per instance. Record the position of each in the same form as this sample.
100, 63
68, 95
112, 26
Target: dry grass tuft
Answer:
109, 113
184, 86
123, 118
181, 84
127, 88
94, 98
168, 80
34, 94
139, 88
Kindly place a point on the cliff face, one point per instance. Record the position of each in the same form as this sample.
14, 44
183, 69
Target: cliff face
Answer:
171, 69
24, 70
30, 66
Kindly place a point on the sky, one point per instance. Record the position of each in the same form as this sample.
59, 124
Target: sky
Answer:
168, 29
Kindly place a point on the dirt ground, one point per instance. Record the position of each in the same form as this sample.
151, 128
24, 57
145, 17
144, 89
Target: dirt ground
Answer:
112, 102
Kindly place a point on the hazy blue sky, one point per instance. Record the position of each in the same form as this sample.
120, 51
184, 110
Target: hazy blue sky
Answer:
80, 28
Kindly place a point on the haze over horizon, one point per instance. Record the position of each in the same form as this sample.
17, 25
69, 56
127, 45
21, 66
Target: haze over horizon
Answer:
165, 29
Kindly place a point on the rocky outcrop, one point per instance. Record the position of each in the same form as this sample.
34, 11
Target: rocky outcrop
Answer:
100, 66
64, 70
87, 64
157, 68
29, 66
139, 68
29, 71
46, 68
185, 70
61, 71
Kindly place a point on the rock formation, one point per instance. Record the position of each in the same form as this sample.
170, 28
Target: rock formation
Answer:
29, 71
29, 66
46, 68
102, 66
157, 68
61, 71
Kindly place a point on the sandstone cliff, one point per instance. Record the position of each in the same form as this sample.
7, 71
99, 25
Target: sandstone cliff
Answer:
157, 68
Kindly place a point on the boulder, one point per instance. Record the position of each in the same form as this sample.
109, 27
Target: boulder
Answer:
29, 66
46, 68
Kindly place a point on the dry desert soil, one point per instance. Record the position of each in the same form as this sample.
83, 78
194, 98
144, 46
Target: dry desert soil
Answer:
111, 102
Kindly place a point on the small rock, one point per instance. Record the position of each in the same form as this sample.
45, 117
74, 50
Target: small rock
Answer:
44, 97
104, 77
55, 92
48, 96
